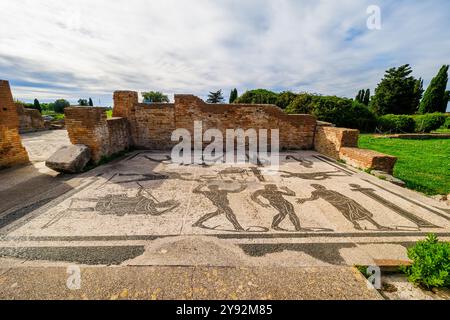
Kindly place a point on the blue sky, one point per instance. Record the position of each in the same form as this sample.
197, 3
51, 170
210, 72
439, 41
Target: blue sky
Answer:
89, 48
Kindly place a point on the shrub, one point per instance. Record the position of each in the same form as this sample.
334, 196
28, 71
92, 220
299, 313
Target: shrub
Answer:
258, 96
429, 122
302, 104
396, 123
431, 263
285, 98
59, 105
446, 124
342, 112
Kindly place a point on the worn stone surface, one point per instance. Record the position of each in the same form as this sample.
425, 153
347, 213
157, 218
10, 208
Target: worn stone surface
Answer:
69, 159
386, 176
12, 151
368, 159
192, 283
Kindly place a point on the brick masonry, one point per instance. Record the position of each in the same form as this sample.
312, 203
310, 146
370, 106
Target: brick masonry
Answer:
368, 159
29, 119
12, 152
150, 126
342, 144
329, 140
90, 126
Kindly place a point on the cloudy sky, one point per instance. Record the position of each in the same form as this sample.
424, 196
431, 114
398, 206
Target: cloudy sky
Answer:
89, 48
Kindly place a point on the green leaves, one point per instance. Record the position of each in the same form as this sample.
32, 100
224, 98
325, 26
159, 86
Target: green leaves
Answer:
436, 97
154, 97
431, 263
215, 97
397, 93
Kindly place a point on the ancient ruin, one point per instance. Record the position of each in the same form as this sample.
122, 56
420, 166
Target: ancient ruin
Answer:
12, 151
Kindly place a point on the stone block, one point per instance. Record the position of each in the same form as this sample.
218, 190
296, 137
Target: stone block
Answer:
69, 159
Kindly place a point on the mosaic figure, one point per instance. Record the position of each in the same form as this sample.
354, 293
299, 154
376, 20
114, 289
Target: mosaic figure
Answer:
278, 202
351, 209
303, 162
219, 198
311, 175
421, 223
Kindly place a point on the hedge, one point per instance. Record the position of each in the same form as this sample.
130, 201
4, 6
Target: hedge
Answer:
429, 122
392, 123
408, 124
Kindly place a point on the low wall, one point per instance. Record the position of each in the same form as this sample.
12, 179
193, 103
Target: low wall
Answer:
151, 125
329, 140
12, 152
30, 120
342, 144
90, 126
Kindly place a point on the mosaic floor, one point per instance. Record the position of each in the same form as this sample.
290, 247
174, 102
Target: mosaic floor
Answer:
310, 199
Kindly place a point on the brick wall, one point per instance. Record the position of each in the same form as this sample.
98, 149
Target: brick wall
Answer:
151, 125
29, 119
341, 143
12, 151
329, 140
90, 126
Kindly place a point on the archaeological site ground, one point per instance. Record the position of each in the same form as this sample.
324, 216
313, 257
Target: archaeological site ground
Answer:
135, 224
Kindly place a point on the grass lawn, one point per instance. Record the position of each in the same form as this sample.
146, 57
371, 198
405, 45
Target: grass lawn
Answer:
423, 164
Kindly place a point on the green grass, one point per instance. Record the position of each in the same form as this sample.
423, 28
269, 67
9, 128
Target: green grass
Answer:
109, 113
56, 116
423, 164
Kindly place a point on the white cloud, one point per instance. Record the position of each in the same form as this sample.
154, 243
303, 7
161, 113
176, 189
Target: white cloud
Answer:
76, 48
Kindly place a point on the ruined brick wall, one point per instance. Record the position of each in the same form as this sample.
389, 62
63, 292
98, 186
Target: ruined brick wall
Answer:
295, 131
124, 102
151, 125
329, 140
368, 159
12, 152
90, 126
29, 119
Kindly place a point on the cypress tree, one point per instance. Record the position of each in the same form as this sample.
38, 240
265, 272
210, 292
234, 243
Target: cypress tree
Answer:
91, 104
37, 105
366, 99
233, 95
436, 97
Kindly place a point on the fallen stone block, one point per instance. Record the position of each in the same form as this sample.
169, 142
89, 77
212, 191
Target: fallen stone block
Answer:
69, 159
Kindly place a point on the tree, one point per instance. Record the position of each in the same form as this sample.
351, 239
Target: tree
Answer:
366, 99
397, 93
37, 105
83, 102
91, 104
285, 98
59, 105
258, 96
215, 97
359, 96
155, 97
436, 97
233, 95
